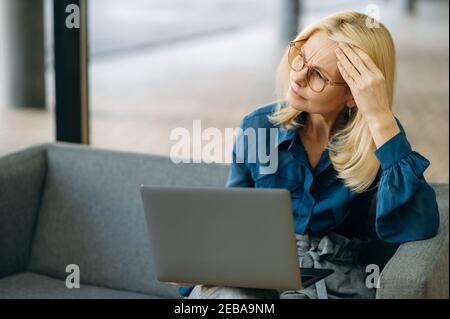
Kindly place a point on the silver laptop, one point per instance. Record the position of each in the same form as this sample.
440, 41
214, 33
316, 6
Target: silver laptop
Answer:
229, 236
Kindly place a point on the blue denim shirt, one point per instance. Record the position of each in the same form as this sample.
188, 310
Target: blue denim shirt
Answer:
406, 207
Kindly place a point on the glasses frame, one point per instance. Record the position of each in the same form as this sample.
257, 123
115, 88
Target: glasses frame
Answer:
305, 63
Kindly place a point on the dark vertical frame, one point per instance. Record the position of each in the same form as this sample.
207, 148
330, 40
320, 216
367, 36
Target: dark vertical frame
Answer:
71, 75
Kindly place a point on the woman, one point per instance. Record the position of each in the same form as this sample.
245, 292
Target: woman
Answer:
338, 141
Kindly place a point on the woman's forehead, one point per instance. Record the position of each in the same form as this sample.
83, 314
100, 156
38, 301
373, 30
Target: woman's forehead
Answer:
320, 46
319, 50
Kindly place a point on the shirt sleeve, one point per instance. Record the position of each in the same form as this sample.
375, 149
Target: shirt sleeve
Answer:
185, 291
406, 207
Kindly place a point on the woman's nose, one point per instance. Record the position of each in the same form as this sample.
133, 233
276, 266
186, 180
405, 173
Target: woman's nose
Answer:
299, 77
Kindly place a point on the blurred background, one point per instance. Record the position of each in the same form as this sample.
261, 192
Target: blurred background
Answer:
156, 65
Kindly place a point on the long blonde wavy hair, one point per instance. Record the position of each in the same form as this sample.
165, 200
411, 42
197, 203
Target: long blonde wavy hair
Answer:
351, 148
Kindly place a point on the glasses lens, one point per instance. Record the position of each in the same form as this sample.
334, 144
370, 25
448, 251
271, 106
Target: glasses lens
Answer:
295, 60
315, 80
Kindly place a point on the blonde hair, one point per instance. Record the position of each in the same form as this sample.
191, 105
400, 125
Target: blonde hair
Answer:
351, 148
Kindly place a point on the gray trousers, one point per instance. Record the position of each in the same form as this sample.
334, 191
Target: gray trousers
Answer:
332, 251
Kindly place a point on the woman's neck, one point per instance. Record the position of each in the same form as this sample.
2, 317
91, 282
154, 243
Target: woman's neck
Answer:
321, 127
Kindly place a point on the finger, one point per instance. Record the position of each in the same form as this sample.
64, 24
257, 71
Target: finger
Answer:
366, 59
345, 75
347, 66
353, 58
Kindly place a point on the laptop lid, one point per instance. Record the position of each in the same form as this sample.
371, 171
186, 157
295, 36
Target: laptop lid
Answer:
230, 236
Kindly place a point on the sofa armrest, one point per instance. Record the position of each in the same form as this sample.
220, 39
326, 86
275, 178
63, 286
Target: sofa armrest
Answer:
420, 269
22, 175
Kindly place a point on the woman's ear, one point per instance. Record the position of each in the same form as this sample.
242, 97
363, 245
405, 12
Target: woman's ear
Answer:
351, 101
351, 104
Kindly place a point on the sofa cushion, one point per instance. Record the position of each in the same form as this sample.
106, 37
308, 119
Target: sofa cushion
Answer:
92, 215
21, 183
420, 269
34, 286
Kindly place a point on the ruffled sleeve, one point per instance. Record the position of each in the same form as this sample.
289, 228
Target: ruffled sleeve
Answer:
406, 207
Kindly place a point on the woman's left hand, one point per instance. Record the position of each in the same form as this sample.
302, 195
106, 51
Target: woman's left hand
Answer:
368, 87
366, 81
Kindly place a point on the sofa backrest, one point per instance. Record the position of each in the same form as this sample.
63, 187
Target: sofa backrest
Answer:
21, 182
92, 215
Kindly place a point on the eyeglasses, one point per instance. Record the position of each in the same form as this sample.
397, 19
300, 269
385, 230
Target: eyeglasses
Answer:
315, 79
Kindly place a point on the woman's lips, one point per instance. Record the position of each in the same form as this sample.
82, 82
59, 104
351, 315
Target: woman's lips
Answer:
296, 94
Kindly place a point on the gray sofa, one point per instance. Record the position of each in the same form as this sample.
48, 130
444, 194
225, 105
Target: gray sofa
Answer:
64, 204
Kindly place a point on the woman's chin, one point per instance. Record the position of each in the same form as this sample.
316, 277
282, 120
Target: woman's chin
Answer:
296, 104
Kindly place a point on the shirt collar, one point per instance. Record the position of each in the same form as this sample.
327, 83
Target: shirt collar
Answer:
287, 136
290, 138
